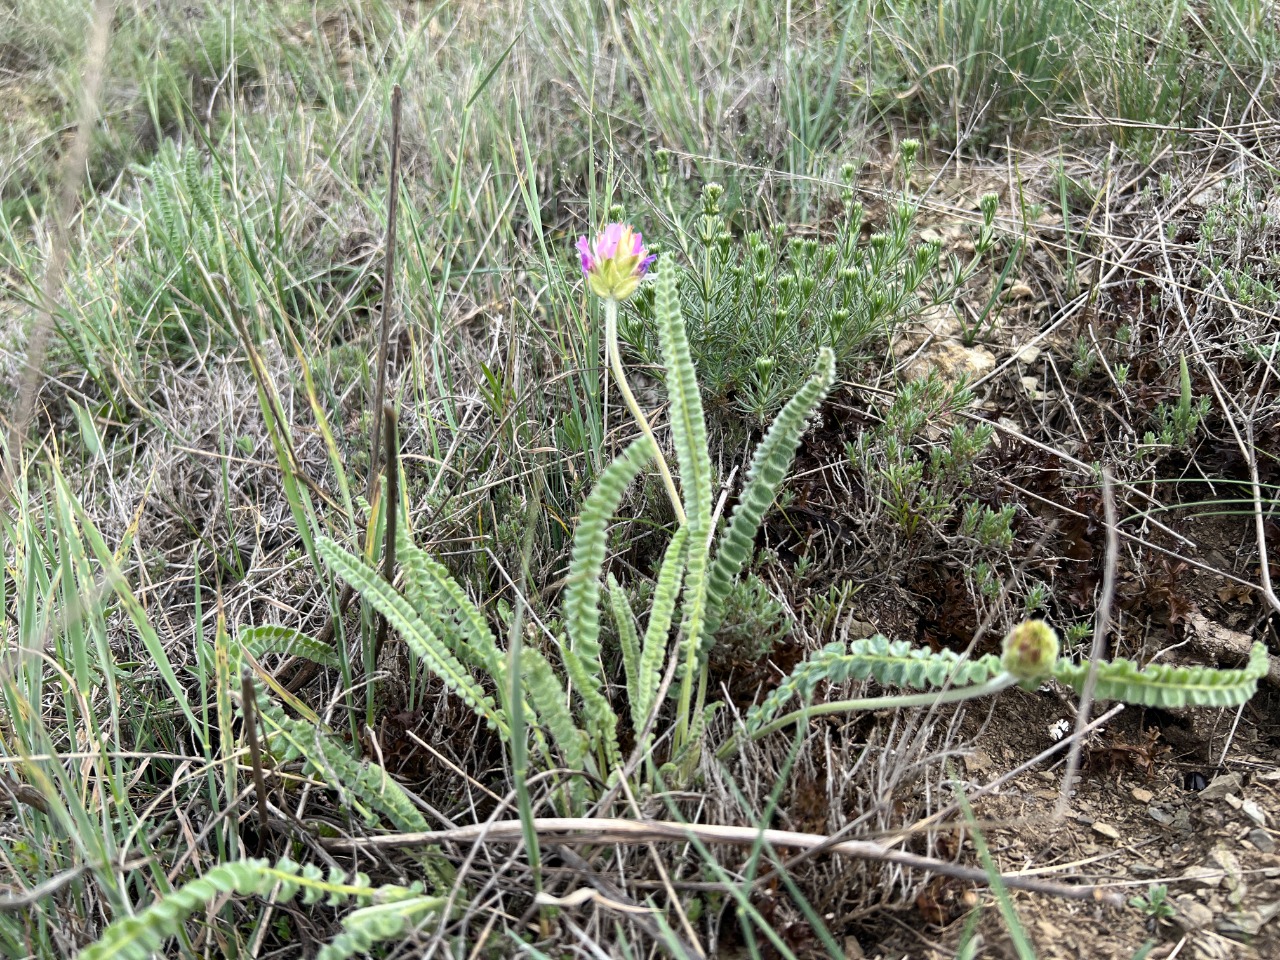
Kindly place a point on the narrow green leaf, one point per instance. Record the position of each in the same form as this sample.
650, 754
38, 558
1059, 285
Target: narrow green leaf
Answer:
443, 604
274, 639
769, 467
581, 654
624, 620
413, 629
551, 706
1169, 687
657, 633
120, 584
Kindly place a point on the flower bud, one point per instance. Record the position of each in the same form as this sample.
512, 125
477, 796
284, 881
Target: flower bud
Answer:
1030, 651
711, 195
989, 203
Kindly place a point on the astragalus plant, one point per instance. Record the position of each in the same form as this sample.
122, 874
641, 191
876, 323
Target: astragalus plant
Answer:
574, 707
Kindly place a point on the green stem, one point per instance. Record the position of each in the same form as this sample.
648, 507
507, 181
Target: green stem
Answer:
956, 694
615, 364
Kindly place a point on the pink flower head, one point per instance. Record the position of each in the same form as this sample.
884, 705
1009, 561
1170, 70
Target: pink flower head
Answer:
616, 262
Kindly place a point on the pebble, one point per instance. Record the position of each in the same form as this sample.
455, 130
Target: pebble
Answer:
1246, 925
1192, 914
1029, 354
1160, 815
1143, 796
1254, 812
1106, 830
1220, 786
1262, 840
1141, 869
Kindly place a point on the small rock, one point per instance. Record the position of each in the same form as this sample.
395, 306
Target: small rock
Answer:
1050, 932
1222, 785
1247, 923
1143, 796
1225, 859
1262, 840
1233, 801
1209, 195
951, 361
1192, 914
1141, 869
1020, 291
1254, 812
861, 629
1030, 384
1160, 815
1106, 830
1029, 354
978, 761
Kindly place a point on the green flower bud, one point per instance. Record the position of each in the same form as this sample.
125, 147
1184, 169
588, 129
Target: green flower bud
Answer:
1030, 651
989, 203
711, 195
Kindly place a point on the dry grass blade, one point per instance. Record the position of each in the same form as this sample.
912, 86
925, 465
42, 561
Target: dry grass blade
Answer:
1099, 648
71, 182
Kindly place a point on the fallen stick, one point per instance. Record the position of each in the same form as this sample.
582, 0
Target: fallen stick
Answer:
616, 830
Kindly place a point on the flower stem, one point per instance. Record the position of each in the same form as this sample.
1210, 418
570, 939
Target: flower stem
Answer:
615, 364
997, 683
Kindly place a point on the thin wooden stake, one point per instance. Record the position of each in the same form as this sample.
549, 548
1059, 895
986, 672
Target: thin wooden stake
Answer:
309, 669
392, 437
248, 703
388, 291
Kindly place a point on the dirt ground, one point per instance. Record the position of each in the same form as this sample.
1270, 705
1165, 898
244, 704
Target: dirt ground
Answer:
1187, 799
